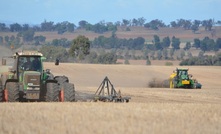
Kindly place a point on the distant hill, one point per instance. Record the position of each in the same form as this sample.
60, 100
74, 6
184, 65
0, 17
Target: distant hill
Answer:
184, 35
122, 32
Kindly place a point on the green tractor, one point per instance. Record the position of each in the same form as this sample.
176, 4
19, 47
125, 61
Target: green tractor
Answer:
28, 81
181, 79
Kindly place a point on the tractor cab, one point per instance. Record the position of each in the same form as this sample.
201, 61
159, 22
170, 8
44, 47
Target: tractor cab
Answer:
182, 74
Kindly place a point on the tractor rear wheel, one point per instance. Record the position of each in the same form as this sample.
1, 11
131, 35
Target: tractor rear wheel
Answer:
67, 93
52, 92
61, 79
12, 92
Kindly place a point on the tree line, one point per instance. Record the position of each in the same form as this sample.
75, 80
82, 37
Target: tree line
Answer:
202, 60
103, 26
79, 52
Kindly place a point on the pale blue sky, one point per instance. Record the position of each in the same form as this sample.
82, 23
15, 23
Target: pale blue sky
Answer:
93, 11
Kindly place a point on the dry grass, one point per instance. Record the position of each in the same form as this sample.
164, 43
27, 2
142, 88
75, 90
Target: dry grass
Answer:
155, 110
100, 118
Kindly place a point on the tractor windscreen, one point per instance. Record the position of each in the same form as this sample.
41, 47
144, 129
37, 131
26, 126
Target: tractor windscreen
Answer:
30, 63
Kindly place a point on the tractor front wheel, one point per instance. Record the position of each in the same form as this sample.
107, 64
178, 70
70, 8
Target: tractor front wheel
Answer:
11, 93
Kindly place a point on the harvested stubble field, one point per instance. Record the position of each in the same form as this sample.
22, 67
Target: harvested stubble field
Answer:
156, 110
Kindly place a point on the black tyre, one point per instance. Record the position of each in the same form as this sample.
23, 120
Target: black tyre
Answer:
61, 79
12, 92
67, 93
52, 92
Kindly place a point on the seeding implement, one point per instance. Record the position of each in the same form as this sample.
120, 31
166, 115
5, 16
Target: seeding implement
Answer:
107, 92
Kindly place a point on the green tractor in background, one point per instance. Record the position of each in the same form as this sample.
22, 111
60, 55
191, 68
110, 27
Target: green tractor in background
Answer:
28, 81
181, 79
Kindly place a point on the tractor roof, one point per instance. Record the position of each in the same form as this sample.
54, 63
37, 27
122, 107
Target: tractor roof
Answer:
28, 53
182, 69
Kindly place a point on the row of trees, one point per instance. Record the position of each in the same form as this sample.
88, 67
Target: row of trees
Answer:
44, 26
117, 43
79, 51
203, 60
103, 26
139, 43
22, 38
207, 44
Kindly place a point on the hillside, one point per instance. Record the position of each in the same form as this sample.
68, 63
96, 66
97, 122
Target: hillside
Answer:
184, 35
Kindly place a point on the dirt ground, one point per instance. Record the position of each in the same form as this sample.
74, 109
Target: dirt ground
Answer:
150, 110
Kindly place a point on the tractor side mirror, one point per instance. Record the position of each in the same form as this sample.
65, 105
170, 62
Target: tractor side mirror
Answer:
4, 62
57, 62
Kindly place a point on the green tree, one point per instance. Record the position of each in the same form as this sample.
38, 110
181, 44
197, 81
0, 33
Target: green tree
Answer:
173, 24
134, 22
125, 22
208, 24
111, 27
141, 21
187, 46
195, 25
52, 52
171, 53
218, 42
92, 57
154, 24
47, 26
166, 42
7, 39
175, 43
28, 35
159, 55
25, 27
196, 43
1, 40
64, 27
39, 39
182, 54
208, 44
189, 54
107, 58
156, 42
80, 45
82, 23
15, 27
165, 53
3, 27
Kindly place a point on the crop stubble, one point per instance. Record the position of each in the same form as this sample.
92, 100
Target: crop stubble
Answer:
149, 111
